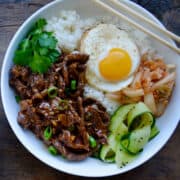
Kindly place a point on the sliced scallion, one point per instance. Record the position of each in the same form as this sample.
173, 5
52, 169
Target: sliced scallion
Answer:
73, 85
52, 150
48, 133
18, 99
92, 142
52, 92
63, 104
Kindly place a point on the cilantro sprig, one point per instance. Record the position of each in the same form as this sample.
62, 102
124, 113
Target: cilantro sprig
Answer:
38, 50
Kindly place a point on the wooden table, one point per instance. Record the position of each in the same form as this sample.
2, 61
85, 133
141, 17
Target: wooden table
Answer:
16, 163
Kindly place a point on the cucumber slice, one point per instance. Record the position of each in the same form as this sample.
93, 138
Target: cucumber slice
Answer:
154, 132
122, 157
142, 120
136, 140
131, 127
139, 116
125, 143
107, 154
147, 119
119, 116
121, 131
112, 142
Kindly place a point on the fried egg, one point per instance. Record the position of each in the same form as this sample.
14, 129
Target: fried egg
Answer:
113, 57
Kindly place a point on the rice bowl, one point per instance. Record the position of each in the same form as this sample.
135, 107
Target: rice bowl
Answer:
38, 149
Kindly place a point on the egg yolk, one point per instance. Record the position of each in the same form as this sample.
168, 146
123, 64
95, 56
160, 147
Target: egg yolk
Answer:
116, 65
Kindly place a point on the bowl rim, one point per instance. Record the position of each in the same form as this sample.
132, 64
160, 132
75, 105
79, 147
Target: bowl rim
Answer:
21, 27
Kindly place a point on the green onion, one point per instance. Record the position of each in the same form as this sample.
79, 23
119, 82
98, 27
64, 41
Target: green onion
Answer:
73, 85
92, 142
52, 150
52, 92
63, 104
18, 99
48, 133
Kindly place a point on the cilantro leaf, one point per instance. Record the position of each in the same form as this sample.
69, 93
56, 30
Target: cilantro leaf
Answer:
38, 49
43, 51
22, 57
34, 41
41, 23
53, 55
46, 40
39, 63
38, 27
25, 44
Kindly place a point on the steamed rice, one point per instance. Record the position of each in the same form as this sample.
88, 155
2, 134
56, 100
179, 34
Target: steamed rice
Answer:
68, 29
110, 105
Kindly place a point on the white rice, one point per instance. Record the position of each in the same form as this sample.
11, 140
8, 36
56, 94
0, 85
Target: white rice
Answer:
109, 104
68, 29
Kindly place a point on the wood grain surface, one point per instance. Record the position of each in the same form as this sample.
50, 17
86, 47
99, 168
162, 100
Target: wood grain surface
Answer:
16, 163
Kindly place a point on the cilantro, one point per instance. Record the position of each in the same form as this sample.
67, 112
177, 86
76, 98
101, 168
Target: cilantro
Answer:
39, 64
41, 23
38, 49
43, 51
53, 55
22, 57
24, 45
47, 40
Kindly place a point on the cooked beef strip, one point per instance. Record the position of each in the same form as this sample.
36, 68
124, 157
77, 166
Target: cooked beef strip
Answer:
72, 117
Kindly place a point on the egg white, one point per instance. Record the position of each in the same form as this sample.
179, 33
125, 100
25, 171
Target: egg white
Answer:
97, 43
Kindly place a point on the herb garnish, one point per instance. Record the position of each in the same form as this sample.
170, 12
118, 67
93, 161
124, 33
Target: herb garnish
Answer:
18, 98
38, 50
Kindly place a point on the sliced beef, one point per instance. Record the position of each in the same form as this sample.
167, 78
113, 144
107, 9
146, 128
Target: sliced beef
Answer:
71, 117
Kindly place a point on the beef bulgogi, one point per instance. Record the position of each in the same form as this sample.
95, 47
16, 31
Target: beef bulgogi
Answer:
53, 107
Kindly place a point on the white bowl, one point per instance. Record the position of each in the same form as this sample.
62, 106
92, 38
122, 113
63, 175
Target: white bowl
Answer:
89, 167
